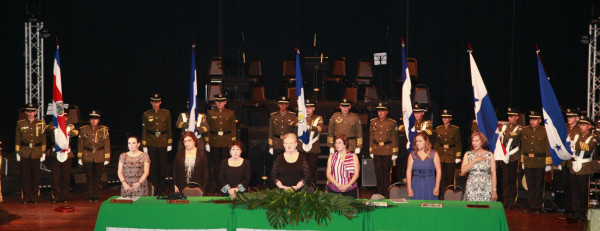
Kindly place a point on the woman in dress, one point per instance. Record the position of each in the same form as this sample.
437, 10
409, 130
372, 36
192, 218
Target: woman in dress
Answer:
191, 164
481, 166
343, 169
234, 172
423, 170
290, 170
134, 167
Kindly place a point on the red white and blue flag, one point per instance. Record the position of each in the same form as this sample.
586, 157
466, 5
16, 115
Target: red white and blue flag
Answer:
58, 116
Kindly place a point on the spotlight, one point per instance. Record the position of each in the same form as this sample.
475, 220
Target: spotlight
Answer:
585, 39
46, 34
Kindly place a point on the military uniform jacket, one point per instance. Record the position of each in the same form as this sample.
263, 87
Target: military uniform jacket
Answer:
535, 152
30, 138
424, 126
383, 137
281, 124
202, 126
448, 143
348, 125
585, 146
71, 132
315, 125
156, 129
94, 144
222, 127
512, 131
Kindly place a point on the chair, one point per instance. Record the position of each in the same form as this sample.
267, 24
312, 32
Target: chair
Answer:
398, 190
452, 193
291, 94
255, 71
371, 94
421, 94
351, 94
212, 90
338, 76
193, 189
364, 74
74, 116
257, 94
288, 75
215, 70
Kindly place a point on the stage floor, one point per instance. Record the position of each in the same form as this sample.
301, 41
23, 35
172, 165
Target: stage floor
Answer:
16, 216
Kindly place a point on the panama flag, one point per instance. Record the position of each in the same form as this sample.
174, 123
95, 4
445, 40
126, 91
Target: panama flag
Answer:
487, 122
407, 112
302, 123
556, 129
58, 115
193, 95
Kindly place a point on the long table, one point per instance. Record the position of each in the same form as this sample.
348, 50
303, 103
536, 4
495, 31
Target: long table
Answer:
202, 214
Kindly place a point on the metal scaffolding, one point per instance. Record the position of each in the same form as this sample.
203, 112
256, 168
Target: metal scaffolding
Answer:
34, 65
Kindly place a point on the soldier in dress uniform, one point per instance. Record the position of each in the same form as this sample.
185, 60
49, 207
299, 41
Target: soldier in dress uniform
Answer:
93, 151
61, 168
157, 141
223, 130
582, 167
511, 139
449, 147
347, 123
561, 176
202, 128
313, 148
30, 145
383, 148
421, 124
535, 155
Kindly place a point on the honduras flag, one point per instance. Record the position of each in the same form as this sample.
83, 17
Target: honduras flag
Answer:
58, 116
303, 132
193, 95
487, 122
556, 129
407, 112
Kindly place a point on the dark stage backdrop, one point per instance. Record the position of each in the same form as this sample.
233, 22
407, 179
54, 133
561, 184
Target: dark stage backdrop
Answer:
114, 54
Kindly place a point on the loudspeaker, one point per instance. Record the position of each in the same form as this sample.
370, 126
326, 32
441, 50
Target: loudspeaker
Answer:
367, 173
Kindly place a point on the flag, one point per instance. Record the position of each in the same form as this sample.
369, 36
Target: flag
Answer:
556, 130
487, 122
193, 105
58, 116
407, 112
302, 123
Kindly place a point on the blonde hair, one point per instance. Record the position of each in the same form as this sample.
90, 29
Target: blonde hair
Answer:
289, 136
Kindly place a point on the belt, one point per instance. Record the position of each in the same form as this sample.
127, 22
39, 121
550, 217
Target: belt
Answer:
536, 154
31, 145
93, 149
423, 172
382, 143
449, 145
156, 133
220, 133
480, 171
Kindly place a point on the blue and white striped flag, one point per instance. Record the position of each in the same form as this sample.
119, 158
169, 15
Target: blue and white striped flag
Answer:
407, 112
193, 95
556, 130
303, 132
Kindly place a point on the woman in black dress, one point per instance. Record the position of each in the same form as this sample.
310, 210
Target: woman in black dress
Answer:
290, 169
234, 173
190, 164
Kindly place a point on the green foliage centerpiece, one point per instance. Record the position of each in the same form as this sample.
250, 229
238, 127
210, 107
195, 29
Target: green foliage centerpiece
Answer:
287, 207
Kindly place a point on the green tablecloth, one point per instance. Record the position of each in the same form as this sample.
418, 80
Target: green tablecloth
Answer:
148, 212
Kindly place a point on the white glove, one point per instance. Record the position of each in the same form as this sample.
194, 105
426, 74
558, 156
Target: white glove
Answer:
145, 149
80, 162
548, 168
18, 157
560, 167
169, 148
457, 161
331, 150
372, 156
357, 151
394, 157
271, 151
522, 165
207, 147
43, 158
106, 162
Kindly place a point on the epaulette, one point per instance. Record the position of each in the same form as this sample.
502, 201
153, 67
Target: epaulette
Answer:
273, 113
84, 126
393, 120
291, 112
336, 113
373, 119
454, 125
162, 109
21, 120
439, 126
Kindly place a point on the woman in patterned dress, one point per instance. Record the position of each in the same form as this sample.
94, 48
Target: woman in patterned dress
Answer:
134, 167
481, 166
191, 164
423, 170
343, 169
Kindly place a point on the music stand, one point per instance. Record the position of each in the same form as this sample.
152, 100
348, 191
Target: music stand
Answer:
316, 64
380, 59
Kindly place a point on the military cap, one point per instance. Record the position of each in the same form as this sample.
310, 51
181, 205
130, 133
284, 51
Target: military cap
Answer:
382, 106
534, 114
570, 112
31, 107
283, 99
220, 97
586, 120
309, 103
155, 97
345, 102
95, 114
417, 107
446, 113
511, 111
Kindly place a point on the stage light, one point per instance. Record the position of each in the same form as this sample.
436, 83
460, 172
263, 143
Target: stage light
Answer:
46, 34
585, 39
